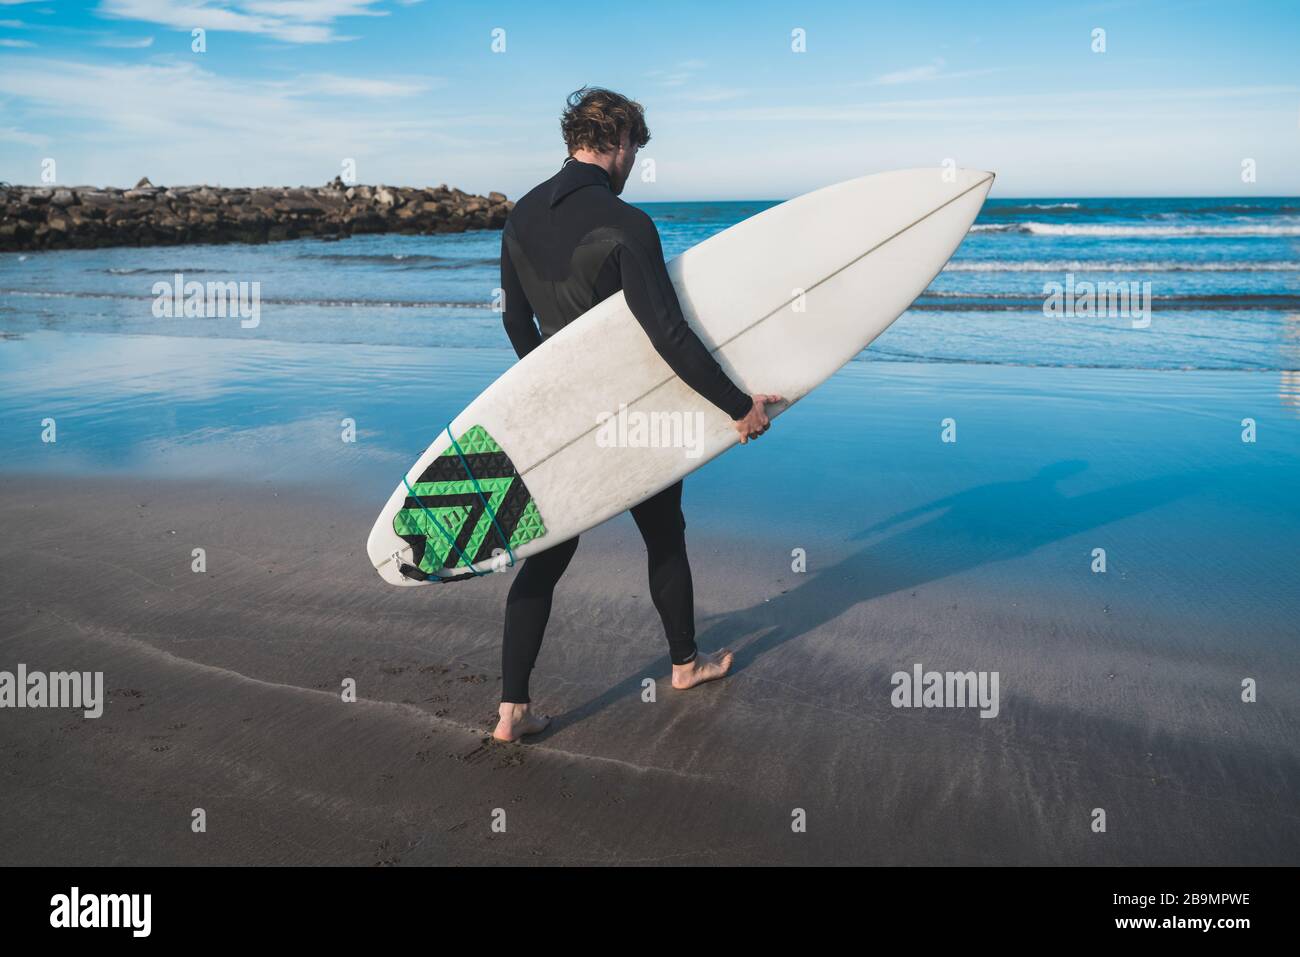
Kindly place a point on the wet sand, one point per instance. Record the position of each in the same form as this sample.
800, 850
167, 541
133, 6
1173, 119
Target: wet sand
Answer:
224, 694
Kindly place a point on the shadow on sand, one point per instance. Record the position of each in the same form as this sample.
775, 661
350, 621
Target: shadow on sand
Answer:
979, 526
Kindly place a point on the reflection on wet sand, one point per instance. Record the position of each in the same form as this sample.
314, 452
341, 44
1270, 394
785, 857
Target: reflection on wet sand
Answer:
1288, 388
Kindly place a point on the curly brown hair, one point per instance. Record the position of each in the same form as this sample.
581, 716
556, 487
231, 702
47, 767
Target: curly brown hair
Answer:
596, 119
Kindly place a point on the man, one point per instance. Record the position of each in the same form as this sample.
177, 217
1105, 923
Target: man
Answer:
569, 244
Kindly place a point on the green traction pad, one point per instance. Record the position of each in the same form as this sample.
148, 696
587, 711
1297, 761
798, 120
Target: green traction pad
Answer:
446, 490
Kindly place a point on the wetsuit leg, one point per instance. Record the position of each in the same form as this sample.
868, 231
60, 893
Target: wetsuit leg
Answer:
663, 526
528, 608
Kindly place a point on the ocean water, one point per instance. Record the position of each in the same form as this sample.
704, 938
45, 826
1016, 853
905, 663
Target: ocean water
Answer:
1224, 279
397, 334
1074, 433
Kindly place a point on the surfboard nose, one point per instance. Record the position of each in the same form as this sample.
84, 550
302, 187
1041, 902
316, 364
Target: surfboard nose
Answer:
980, 180
961, 177
973, 176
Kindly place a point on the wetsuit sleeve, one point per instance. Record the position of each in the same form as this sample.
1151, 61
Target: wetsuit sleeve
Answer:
518, 317
653, 300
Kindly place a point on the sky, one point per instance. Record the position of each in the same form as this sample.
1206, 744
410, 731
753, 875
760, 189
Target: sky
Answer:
419, 92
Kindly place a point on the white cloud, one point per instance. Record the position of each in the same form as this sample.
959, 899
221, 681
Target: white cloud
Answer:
710, 95
11, 134
679, 74
330, 84
916, 73
179, 123
16, 43
293, 21
126, 43
1072, 107
926, 72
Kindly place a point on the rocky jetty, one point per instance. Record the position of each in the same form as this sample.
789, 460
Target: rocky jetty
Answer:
85, 217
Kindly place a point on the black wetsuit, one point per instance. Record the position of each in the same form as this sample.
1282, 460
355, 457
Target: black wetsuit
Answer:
569, 244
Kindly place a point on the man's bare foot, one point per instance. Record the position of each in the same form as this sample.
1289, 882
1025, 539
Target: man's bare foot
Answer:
702, 668
517, 721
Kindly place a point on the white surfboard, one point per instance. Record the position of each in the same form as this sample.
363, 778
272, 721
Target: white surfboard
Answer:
593, 421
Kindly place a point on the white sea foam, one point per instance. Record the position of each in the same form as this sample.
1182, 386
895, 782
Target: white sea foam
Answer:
1063, 265
1109, 229
1003, 209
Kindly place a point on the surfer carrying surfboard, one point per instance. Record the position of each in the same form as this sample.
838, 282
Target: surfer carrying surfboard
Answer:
569, 244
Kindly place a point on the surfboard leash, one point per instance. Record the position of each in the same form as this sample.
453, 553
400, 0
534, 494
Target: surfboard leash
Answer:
445, 534
488, 508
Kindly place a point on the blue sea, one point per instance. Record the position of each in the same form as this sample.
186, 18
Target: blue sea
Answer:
1224, 280
1073, 433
